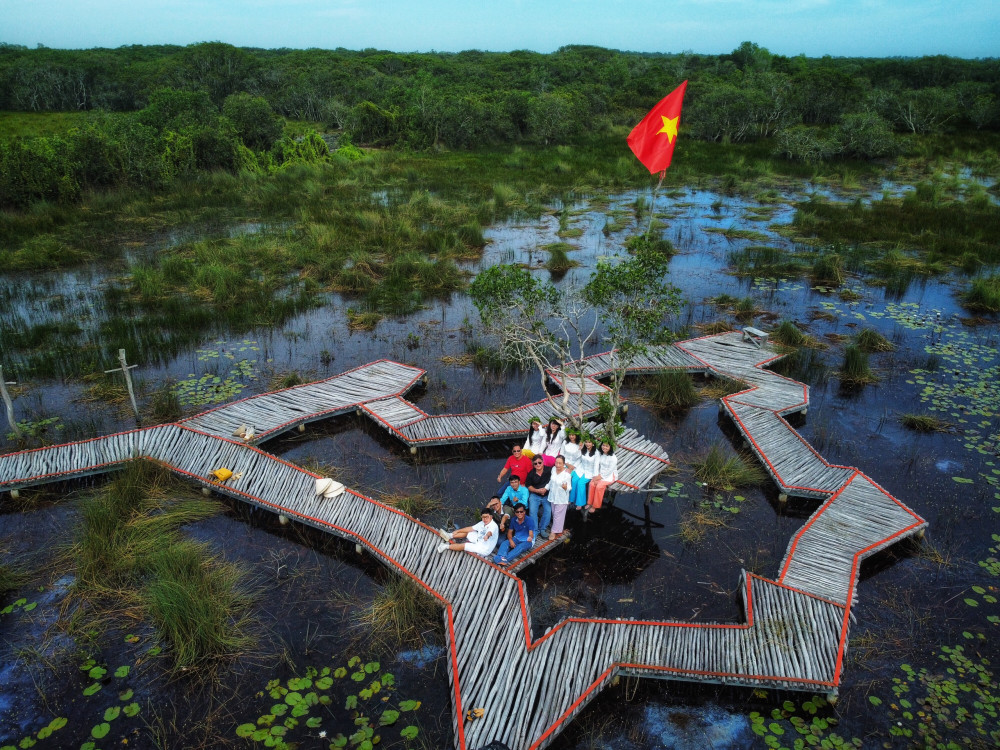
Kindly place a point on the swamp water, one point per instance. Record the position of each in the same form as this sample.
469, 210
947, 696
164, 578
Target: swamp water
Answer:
632, 560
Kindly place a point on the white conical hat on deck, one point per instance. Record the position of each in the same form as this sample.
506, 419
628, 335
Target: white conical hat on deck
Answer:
323, 484
334, 489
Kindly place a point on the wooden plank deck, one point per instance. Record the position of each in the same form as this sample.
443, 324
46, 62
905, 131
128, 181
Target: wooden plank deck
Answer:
795, 631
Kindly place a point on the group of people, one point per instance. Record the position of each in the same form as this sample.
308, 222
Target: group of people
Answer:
553, 470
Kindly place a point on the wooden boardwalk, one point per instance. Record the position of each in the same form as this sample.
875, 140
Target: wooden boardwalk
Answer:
795, 631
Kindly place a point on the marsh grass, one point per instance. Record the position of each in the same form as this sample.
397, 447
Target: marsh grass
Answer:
726, 473
672, 391
869, 340
925, 423
415, 501
131, 558
765, 261
855, 370
983, 294
165, 403
746, 310
789, 335
362, 320
558, 259
401, 613
716, 326
695, 525
828, 269
732, 233
11, 578
717, 388
288, 379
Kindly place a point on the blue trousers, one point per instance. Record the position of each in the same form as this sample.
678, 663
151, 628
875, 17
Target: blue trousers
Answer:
578, 490
536, 502
511, 554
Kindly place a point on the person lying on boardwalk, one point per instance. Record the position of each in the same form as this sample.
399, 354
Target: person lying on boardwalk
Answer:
555, 436
605, 473
515, 493
534, 444
520, 537
559, 487
517, 464
538, 488
481, 539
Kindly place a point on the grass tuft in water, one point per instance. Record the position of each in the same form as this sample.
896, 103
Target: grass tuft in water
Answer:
130, 556
746, 310
869, 340
401, 612
558, 259
11, 578
414, 502
671, 390
925, 423
788, 334
722, 473
828, 269
718, 388
983, 294
716, 326
855, 370
165, 404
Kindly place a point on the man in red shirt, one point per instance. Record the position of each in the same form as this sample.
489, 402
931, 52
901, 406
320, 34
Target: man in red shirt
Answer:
518, 465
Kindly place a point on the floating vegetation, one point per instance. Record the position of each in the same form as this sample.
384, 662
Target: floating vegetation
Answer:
716, 326
789, 335
765, 261
732, 233
558, 259
39, 430
810, 720
362, 320
303, 707
869, 340
695, 525
855, 370
925, 423
720, 472
746, 310
10, 579
958, 706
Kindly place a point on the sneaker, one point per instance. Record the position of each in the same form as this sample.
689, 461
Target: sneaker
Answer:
442, 548
444, 534
543, 534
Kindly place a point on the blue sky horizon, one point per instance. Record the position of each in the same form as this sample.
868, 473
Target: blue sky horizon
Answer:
840, 28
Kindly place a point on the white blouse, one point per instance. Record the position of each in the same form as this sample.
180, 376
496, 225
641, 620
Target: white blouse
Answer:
607, 467
557, 495
535, 442
571, 452
553, 448
587, 466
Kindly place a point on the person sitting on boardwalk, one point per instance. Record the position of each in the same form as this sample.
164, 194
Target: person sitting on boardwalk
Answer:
481, 539
606, 473
538, 488
520, 537
534, 444
515, 493
558, 496
517, 464
583, 471
555, 436
496, 511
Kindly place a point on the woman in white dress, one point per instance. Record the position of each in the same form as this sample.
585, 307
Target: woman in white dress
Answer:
606, 474
558, 495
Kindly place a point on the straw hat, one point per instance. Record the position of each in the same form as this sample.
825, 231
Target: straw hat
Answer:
323, 484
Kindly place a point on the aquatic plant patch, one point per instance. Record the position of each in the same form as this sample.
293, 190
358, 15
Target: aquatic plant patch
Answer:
371, 712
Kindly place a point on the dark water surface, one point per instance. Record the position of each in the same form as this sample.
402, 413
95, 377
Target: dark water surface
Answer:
629, 561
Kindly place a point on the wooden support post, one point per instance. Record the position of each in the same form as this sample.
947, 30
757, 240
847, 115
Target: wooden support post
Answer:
833, 696
282, 519
10, 406
782, 498
302, 427
358, 548
624, 408
413, 450
920, 534
15, 494
128, 381
206, 492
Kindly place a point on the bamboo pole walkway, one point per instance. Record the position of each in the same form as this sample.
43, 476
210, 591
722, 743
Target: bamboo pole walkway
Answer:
796, 628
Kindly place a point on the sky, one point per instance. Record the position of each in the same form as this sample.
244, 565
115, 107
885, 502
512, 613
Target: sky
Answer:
870, 28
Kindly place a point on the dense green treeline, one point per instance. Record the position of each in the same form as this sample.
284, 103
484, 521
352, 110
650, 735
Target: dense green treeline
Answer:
163, 112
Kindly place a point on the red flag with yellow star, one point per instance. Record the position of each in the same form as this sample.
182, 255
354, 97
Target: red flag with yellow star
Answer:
652, 140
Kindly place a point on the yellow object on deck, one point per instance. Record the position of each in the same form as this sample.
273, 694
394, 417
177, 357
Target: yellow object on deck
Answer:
222, 474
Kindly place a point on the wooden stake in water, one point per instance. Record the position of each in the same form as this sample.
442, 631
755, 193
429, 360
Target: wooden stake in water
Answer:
128, 381
10, 406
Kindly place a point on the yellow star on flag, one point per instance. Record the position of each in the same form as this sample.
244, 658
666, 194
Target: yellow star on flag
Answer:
669, 127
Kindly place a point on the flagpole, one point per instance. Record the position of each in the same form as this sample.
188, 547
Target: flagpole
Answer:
652, 203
